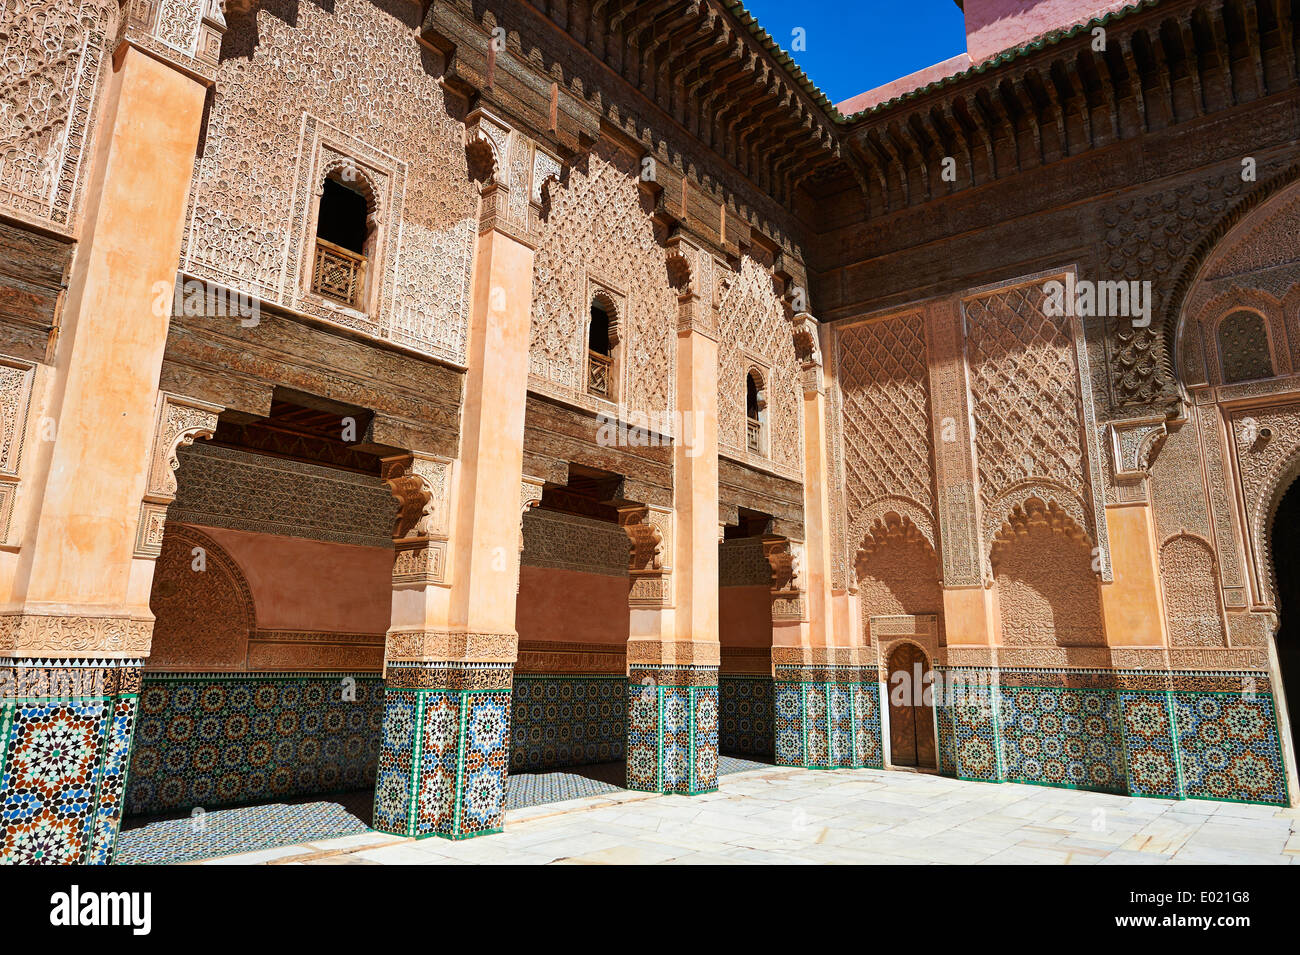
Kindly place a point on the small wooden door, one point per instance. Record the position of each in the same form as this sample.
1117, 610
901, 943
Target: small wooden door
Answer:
911, 714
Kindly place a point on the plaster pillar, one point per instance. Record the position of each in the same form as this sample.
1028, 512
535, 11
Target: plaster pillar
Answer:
75, 626
1132, 605
449, 661
673, 657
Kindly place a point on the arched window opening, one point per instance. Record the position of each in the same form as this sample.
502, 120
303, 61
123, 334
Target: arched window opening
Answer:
1243, 347
753, 414
343, 240
600, 358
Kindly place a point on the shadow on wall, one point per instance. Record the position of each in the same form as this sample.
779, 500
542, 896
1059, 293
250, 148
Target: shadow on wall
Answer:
1048, 593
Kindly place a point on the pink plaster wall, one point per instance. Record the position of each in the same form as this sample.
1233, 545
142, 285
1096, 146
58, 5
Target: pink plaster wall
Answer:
996, 25
992, 26
906, 84
300, 584
569, 606
745, 616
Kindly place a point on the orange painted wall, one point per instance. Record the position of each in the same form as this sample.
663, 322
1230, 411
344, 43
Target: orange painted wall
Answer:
570, 606
300, 584
745, 616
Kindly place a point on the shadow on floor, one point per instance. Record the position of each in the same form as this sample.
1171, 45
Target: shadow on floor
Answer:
359, 803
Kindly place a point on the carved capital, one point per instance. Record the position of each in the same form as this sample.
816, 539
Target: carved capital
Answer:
178, 423
808, 348
785, 557
649, 531
450, 646
1134, 444
420, 483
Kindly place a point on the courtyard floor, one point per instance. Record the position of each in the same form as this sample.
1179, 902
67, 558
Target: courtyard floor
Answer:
780, 815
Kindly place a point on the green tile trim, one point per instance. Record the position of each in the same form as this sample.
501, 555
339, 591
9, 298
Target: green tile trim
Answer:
417, 753
126, 773
462, 724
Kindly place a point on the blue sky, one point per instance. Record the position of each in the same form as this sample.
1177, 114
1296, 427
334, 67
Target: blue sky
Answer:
855, 45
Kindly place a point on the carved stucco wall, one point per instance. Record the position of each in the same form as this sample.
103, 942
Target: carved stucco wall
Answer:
1189, 571
1047, 592
900, 577
1024, 381
1192, 608
204, 611
301, 88
754, 333
1240, 435
1255, 269
1266, 469
598, 238
741, 563
53, 61
886, 435
572, 542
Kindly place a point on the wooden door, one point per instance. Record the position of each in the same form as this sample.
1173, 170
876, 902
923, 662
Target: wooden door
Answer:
911, 715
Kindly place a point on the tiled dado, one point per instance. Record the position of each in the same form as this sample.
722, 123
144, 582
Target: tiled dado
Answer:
827, 717
219, 739
672, 729
748, 720
65, 737
559, 721
445, 749
1170, 734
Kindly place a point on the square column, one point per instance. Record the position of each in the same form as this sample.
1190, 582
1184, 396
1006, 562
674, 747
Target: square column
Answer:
445, 750
673, 649
672, 729
451, 647
65, 743
75, 576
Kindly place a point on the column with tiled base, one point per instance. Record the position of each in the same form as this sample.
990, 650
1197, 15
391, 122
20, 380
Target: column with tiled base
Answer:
65, 742
445, 750
827, 716
76, 566
672, 729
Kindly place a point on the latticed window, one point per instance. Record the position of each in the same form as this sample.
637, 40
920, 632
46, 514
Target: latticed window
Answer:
753, 419
600, 360
1243, 347
342, 231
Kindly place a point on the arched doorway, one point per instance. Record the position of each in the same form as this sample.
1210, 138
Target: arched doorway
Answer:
911, 711
1286, 563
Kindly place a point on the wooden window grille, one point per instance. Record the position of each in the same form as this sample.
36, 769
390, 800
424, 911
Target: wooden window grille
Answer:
338, 273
